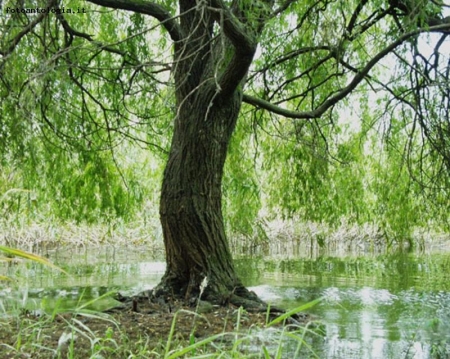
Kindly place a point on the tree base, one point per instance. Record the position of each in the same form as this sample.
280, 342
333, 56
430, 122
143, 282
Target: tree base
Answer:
162, 298
239, 296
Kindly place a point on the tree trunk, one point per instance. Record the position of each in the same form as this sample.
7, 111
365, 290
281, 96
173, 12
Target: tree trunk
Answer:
191, 206
209, 71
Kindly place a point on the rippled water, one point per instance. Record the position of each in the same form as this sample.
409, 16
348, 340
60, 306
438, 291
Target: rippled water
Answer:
384, 307
373, 307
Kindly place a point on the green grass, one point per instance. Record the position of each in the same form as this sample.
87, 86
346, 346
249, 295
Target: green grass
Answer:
84, 333
112, 343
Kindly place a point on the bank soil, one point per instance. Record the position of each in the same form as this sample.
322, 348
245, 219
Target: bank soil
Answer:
134, 329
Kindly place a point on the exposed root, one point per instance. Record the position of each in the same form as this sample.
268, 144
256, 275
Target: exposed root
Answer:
240, 297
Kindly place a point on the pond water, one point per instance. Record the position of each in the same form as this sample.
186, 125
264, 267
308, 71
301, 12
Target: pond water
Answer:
374, 307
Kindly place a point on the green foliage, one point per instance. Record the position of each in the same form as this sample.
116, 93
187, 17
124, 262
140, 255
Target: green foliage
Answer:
241, 189
87, 119
64, 134
297, 169
85, 186
357, 178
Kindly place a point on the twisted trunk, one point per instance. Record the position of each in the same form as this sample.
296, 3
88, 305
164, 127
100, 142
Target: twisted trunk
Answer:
191, 206
209, 72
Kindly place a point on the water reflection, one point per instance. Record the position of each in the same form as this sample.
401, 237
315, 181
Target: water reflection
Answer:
385, 307
374, 307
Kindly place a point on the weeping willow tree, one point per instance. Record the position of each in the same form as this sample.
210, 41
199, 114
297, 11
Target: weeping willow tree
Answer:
86, 75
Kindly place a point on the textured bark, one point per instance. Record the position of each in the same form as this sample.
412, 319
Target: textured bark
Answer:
214, 45
209, 72
191, 207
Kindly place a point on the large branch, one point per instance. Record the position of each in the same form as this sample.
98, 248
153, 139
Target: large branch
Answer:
352, 23
148, 8
243, 39
360, 76
235, 31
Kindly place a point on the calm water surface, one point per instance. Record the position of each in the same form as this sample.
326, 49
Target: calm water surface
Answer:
374, 307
